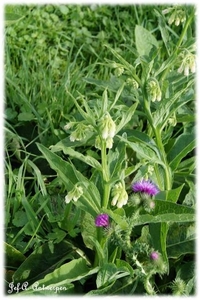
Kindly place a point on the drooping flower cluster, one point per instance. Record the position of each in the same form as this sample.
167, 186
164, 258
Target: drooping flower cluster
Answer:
177, 16
187, 63
120, 196
102, 220
107, 129
153, 90
74, 194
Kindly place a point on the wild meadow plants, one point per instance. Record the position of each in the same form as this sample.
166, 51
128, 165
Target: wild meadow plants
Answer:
100, 139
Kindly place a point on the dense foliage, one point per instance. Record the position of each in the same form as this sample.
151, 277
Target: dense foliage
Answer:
99, 149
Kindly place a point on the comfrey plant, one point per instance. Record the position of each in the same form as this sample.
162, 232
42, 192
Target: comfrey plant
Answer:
124, 161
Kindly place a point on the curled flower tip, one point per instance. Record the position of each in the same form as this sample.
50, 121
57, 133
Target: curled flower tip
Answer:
154, 255
102, 220
145, 186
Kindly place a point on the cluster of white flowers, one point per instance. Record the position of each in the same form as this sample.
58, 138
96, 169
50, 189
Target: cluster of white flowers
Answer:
153, 89
74, 194
177, 16
120, 196
188, 63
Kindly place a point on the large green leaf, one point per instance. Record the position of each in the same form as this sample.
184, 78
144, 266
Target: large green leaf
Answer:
158, 233
85, 158
144, 40
126, 116
184, 144
62, 277
88, 230
90, 200
42, 261
109, 273
168, 106
181, 240
13, 257
166, 211
171, 195
143, 151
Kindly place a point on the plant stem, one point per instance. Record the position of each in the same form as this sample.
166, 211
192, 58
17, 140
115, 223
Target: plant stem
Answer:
106, 175
157, 133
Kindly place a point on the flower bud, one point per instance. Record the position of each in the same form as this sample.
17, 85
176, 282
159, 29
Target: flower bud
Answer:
107, 126
80, 132
153, 90
119, 71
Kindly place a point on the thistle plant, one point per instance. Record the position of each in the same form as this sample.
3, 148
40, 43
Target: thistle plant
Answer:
125, 136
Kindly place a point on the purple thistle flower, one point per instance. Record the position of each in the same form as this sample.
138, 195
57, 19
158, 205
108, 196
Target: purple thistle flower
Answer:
145, 186
154, 255
102, 220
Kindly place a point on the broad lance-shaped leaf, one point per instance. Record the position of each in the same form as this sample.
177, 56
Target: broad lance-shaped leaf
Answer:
144, 40
165, 211
44, 259
181, 239
143, 150
184, 144
74, 270
91, 161
169, 105
90, 200
110, 272
126, 117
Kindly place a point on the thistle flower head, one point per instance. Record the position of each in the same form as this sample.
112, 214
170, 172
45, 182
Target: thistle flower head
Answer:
102, 220
145, 186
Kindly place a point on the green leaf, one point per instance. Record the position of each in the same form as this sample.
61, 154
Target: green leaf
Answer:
116, 161
64, 9
11, 18
143, 151
116, 216
126, 117
166, 211
101, 254
91, 161
68, 272
88, 230
109, 273
169, 105
171, 195
181, 240
159, 236
184, 144
90, 200
25, 116
44, 260
144, 40
20, 218
13, 257
57, 235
